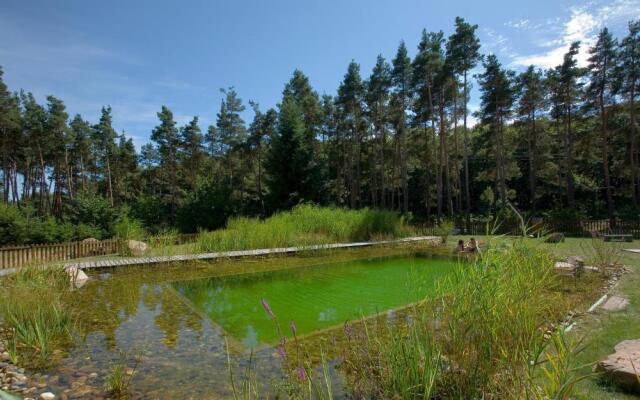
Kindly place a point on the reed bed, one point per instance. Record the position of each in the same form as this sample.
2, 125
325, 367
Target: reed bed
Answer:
486, 334
305, 225
35, 318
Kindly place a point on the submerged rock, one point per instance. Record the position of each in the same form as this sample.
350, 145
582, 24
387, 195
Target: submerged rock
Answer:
622, 367
77, 277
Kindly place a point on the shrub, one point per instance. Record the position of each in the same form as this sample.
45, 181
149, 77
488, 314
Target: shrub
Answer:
207, 208
129, 229
84, 231
92, 209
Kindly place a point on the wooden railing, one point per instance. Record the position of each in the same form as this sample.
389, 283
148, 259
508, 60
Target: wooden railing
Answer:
577, 228
21, 256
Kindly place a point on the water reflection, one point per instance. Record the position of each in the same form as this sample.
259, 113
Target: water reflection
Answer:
178, 327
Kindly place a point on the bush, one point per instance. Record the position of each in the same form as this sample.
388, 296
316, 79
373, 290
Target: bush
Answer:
94, 210
150, 211
129, 229
207, 208
84, 231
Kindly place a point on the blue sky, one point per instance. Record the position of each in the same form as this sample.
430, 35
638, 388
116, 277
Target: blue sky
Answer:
139, 55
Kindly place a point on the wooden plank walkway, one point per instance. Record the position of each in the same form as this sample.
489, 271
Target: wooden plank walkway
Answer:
132, 261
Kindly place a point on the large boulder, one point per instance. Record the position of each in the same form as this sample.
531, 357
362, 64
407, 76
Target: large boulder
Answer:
556, 237
575, 260
623, 366
565, 268
616, 303
137, 248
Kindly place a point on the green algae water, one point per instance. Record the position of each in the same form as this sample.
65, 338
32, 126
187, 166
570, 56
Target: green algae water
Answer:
314, 298
177, 319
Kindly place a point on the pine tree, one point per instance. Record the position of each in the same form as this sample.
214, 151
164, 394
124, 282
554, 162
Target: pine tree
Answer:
191, 153
496, 107
463, 54
531, 99
600, 95
565, 81
82, 161
629, 87
10, 144
351, 128
377, 98
56, 127
401, 78
289, 160
427, 67
104, 137
167, 141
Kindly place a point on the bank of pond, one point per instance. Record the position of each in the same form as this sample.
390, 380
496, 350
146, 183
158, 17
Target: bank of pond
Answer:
265, 325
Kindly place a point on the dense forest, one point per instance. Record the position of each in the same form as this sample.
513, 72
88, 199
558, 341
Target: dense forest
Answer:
562, 141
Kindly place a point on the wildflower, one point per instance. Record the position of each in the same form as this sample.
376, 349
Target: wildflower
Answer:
293, 328
302, 374
266, 307
282, 352
348, 330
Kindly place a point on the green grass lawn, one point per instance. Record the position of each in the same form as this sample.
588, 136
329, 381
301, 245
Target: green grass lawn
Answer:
600, 330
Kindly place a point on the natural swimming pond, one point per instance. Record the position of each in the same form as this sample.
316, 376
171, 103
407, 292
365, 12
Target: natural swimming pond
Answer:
177, 324
314, 297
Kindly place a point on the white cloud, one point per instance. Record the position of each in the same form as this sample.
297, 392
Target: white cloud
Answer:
519, 24
583, 25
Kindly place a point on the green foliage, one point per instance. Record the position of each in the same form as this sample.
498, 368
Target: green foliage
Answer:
478, 337
94, 210
35, 325
304, 225
443, 229
128, 228
22, 226
207, 208
119, 378
150, 211
289, 162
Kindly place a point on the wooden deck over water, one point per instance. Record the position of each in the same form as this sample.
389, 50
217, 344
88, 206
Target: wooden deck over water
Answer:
132, 261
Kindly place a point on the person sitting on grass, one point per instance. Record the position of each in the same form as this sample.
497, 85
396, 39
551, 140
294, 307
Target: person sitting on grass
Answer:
472, 246
460, 246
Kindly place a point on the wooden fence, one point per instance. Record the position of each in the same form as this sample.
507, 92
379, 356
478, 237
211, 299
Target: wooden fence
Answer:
577, 228
20, 256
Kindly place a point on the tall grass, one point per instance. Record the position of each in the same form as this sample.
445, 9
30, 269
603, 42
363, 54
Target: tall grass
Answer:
483, 336
35, 318
118, 380
304, 225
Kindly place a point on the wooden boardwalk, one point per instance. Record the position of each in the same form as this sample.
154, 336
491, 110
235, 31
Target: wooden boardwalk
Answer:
132, 261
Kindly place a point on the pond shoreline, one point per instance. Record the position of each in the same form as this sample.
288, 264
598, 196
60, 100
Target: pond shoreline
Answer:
133, 261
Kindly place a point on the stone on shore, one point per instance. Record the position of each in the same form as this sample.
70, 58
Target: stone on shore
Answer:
616, 303
137, 248
77, 277
623, 366
47, 396
555, 238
